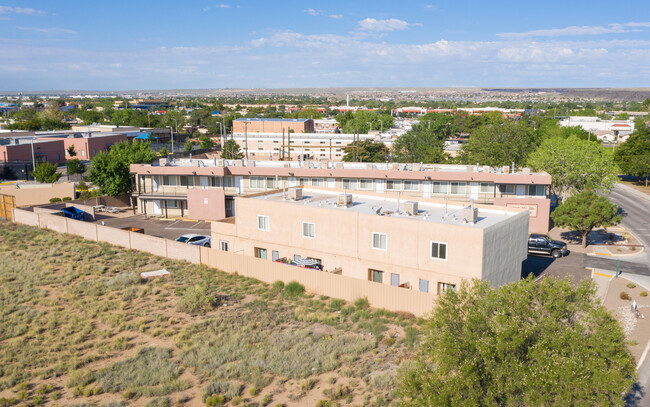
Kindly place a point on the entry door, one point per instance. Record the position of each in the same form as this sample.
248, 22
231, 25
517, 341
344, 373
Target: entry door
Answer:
379, 186
331, 182
239, 182
203, 182
157, 210
473, 190
292, 181
426, 189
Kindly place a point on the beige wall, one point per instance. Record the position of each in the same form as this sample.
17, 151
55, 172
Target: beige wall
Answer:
206, 204
37, 194
272, 126
539, 208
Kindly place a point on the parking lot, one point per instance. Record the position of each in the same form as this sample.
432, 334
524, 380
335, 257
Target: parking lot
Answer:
168, 229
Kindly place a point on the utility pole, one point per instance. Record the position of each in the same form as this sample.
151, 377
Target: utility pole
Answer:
33, 160
246, 138
330, 149
282, 147
175, 121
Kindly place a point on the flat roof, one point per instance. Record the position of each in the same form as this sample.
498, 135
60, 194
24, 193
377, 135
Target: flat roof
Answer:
387, 206
258, 119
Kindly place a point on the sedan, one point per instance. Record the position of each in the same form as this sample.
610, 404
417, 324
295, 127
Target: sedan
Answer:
198, 240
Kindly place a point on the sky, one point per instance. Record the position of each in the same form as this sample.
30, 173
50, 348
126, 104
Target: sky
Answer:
140, 44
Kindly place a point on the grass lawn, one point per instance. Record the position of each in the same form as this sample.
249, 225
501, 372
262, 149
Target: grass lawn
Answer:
639, 186
79, 327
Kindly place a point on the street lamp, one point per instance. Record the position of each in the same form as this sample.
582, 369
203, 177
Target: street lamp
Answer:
171, 130
381, 123
33, 160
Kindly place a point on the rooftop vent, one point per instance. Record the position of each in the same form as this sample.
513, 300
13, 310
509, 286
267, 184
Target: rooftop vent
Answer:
470, 214
345, 200
295, 194
411, 208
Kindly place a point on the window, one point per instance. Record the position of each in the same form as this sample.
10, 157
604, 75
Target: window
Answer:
170, 180
458, 188
296, 257
365, 184
215, 181
376, 276
507, 189
322, 142
443, 287
223, 245
308, 230
537, 190
275, 255
228, 181
257, 182
424, 286
411, 185
172, 204
260, 253
379, 241
394, 280
270, 182
487, 188
263, 223
187, 181
394, 185
440, 187
439, 250
349, 183
317, 182
304, 181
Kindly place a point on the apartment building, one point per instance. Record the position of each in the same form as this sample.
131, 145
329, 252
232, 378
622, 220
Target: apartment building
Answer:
422, 244
28, 149
259, 125
608, 130
86, 145
327, 126
299, 146
205, 189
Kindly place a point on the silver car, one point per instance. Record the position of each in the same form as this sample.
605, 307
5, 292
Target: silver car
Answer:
198, 240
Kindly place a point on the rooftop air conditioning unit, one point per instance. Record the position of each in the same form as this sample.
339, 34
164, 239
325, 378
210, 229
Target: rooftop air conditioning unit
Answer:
525, 171
163, 161
345, 200
470, 214
411, 208
295, 194
506, 169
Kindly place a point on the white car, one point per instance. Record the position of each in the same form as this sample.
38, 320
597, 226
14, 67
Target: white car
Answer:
198, 240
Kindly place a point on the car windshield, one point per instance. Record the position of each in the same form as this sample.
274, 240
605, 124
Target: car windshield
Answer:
182, 239
548, 239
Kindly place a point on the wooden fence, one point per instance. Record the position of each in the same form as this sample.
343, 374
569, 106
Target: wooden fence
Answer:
7, 204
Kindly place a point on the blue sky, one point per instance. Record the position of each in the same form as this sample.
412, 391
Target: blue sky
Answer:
121, 45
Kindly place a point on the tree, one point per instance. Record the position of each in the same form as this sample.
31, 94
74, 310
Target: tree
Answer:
422, 144
575, 165
231, 151
206, 142
367, 151
584, 212
362, 121
500, 144
632, 156
71, 151
526, 343
189, 145
45, 173
110, 170
75, 166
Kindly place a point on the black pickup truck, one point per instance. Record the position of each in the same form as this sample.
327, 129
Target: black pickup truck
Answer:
542, 244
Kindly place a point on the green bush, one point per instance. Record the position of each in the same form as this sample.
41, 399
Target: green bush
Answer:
278, 286
80, 378
196, 300
625, 296
54, 200
253, 391
336, 304
631, 285
66, 198
362, 303
643, 293
227, 390
294, 289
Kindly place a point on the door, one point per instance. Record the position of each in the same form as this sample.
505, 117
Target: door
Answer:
394, 280
239, 182
379, 186
473, 190
331, 182
426, 189
292, 181
275, 255
157, 210
521, 190
203, 181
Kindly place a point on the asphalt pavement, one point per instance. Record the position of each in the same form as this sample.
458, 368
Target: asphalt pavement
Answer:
635, 211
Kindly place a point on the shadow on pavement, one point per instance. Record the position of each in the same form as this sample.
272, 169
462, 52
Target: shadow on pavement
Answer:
535, 265
633, 398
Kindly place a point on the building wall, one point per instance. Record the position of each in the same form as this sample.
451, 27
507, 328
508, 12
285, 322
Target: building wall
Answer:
37, 194
539, 208
344, 240
272, 126
51, 151
88, 147
206, 204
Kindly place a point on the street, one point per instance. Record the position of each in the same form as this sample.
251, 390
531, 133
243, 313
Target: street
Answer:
635, 211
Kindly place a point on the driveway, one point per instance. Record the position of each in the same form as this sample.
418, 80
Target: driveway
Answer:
161, 228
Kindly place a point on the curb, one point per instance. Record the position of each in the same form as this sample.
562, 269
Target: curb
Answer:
633, 191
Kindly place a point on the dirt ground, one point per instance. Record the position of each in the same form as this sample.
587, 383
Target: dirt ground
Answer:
615, 241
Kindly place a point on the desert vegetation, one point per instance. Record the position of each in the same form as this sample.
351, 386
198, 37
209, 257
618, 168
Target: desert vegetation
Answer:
79, 327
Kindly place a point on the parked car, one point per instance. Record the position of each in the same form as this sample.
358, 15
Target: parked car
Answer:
542, 244
198, 240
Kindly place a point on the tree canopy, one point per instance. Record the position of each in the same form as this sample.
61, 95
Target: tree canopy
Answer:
584, 212
75, 166
46, 173
633, 156
231, 150
575, 165
362, 120
527, 343
110, 170
500, 144
422, 144
367, 151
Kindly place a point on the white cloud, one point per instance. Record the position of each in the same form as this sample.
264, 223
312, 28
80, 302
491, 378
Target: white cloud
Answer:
336, 16
21, 10
216, 6
49, 31
313, 12
391, 24
577, 30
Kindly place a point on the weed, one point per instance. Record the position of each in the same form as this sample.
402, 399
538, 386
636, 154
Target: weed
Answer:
38, 400
643, 293
336, 304
362, 303
294, 289
278, 286
237, 400
631, 285
266, 400
253, 391
338, 392
411, 336
196, 300
158, 402
80, 378
625, 296
308, 384
228, 390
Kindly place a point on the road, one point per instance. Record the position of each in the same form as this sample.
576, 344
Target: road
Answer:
635, 211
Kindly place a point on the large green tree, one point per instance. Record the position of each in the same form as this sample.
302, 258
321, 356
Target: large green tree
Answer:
110, 170
75, 166
367, 151
575, 165
231, 150
585, 211
422, 143
46, 173
363, 120
547, 343
500, 144
633, 155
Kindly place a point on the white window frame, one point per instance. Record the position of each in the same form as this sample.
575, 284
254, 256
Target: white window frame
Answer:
391, 183
458, 184
313, 230
372, 241
431, 250
489, 185
411, 182
267, 223
365, 180
440, 185
224, 246
256, 182
352, 184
